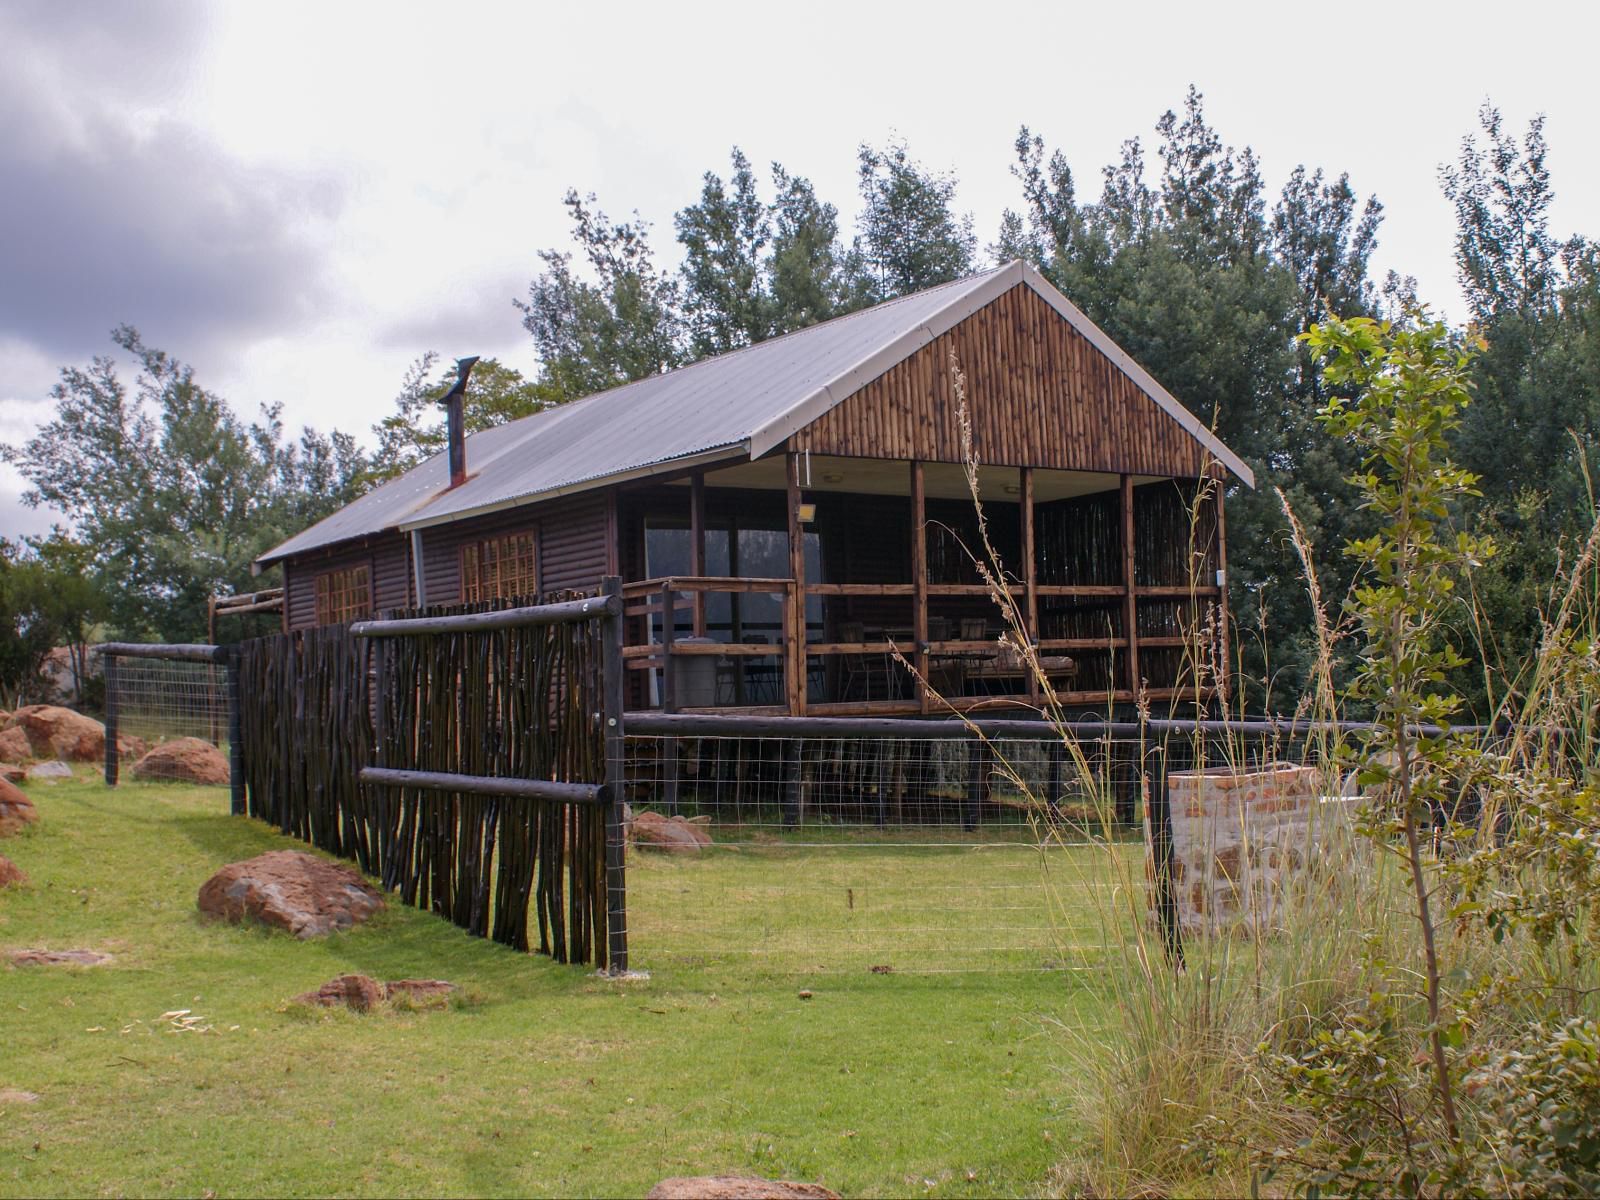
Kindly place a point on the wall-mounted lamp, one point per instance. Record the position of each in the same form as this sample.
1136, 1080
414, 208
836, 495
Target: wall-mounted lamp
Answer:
805, 513
1013, 489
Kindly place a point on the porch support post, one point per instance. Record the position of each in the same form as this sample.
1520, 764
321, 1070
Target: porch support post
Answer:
919, 583
1030, 572
795, 663
697, 545
1130, 603
1224, 673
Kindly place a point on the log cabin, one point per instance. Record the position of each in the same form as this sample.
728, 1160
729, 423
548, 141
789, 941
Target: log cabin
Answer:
795, 526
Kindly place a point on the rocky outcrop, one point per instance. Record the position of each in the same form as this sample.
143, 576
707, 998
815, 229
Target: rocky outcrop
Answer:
675, 835
184, 760
58, 958
14, 746
55, 732
52, 770
363, 993
16, 810
736, 1187
11, 875
359, 992
12, 773
290, 890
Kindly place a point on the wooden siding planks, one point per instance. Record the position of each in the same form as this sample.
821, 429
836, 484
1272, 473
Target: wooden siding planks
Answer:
1040, 395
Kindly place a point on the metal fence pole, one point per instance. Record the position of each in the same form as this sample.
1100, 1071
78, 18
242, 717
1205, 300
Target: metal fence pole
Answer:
236, 803
615, 780
112, 760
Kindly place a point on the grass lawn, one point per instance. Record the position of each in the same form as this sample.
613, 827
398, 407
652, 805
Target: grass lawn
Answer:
548, 1081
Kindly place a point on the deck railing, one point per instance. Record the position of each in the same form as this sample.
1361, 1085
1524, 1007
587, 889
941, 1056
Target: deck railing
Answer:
653, 642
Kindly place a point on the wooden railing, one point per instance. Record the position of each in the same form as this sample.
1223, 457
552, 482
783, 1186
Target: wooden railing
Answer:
649, 598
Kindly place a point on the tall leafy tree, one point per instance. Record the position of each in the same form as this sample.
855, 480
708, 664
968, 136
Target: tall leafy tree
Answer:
622, 324
172, 491
806, 268
911, 235
726, 298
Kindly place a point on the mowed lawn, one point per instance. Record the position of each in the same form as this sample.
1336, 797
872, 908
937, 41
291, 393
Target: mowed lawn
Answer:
546, 1080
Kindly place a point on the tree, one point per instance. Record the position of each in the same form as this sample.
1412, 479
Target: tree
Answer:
50, 597
416, 431
625, 325
806, 268
911, 237
1190, 275
175, 495
726, 301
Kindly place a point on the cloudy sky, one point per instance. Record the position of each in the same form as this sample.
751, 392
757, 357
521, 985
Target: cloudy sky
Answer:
301, 198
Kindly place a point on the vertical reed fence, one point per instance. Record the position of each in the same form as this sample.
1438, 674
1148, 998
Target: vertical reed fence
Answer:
460, 756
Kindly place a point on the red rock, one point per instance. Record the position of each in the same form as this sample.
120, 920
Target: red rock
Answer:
58, 958
420, 991
14, 746
16, 810
675, 835
12, 773
55, 732
736, 1187
291, 890
11, 875
360, 992
184, 760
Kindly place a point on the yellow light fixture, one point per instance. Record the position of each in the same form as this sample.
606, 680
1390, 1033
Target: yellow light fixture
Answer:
806, 513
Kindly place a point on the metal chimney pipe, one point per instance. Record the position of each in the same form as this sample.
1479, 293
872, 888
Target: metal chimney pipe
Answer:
455, 423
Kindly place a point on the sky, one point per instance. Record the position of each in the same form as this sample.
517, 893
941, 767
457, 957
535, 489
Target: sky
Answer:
301, 198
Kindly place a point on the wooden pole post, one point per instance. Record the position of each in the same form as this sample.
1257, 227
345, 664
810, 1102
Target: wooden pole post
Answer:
795, 662
919, 581
697, 545
977, 770
112, 761
236, 798
1030, 599
1130, 603
615, 781
1224, 668
1159, 815
669, 696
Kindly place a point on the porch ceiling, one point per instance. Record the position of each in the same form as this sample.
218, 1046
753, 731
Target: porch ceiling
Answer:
889, 477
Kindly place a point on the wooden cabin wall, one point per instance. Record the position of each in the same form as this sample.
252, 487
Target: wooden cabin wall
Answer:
1040, 394
572, 538
386, 556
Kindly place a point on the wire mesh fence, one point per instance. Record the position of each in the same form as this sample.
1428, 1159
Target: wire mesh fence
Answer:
171, 718
892, 854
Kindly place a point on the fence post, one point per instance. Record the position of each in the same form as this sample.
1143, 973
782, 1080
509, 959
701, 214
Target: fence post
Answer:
615, 780
669, 695
1160, 815
977, 770
235, 734
112, 760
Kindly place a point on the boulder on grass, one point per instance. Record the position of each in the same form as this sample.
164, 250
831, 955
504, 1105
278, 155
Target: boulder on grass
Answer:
360, 992
675, 835
12, 773
51, 769
184, 760
11, 875
16, 810
55, 732
14, 746
736, 1187
291, 890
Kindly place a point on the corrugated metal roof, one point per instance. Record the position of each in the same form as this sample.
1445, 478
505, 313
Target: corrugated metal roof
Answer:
737, 404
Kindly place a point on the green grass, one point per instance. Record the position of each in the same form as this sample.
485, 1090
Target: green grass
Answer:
549, 1081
